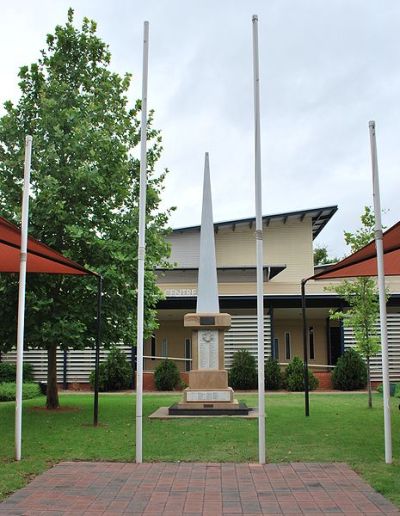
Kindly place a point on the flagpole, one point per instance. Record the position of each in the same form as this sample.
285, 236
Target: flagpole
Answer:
382, 294
21, 297
141, 249
259, 249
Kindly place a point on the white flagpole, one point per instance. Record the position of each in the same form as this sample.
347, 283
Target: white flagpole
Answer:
21, 297
259, 249
382, 294
141, 249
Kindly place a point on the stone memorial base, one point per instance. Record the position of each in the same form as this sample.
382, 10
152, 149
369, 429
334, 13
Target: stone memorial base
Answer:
216, 379
208, 395
209, 409
163, 413
208, 392
217, 399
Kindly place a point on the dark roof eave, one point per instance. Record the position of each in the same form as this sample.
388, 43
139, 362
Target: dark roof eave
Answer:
273, 270
319, 220
277, 301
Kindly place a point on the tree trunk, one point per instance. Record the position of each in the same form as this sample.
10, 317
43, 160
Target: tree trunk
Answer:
52, 389
369, 384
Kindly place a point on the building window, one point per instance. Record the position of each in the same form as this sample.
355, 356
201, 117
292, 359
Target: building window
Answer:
288, 346
275, 349
164, 347
188, 354
153, 346
311, 342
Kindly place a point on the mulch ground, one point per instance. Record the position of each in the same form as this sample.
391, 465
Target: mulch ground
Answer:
109, 488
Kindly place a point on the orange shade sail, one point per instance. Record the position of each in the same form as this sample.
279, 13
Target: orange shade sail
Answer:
41, 258
364, 262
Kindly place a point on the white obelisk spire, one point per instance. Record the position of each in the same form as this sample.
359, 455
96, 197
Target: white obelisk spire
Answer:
207, 289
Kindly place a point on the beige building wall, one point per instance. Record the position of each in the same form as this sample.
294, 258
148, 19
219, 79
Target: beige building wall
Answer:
274, 287
295, 329
319, 287
287, 244
185, 248
175, 333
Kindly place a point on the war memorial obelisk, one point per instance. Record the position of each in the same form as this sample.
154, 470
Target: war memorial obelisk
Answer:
208, 392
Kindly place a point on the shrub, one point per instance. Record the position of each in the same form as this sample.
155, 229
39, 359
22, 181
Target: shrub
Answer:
273, 375
397, 390
350, 372
243, 372
115, 374
29, 391
394, 389
166, 376
294, 376
8, 372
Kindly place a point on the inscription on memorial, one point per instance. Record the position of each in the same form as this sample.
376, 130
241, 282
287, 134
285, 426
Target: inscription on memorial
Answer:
208, 396
208, 349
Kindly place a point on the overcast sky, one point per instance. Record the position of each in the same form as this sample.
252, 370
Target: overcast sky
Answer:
327, 68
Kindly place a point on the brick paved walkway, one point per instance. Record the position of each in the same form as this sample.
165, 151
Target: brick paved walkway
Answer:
90, 488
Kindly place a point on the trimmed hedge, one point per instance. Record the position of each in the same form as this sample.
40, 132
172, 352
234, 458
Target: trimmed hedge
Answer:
8, 372
294, 376
243, 372
115, 374
350, 373
273, 375
29, 391
394, 387
166, 376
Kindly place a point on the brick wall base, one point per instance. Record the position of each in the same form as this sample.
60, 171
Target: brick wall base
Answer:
325, 380
149, 385
76, 386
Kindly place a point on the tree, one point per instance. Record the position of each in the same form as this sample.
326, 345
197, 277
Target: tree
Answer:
84, 196
362, 297
321, 256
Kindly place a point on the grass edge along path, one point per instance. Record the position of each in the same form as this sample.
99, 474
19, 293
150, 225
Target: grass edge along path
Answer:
341, 429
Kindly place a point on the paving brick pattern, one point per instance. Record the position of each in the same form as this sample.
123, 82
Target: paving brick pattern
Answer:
108, 488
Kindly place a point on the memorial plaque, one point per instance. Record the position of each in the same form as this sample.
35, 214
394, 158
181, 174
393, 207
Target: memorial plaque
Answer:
208, 349
207, 321
208, 396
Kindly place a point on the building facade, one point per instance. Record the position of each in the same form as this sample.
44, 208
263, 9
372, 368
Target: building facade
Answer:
288, 257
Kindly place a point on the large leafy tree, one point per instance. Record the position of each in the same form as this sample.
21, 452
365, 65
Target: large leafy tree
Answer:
321, 256
362, 297
84, 196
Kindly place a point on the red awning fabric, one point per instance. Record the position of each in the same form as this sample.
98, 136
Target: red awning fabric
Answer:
364, 262
41, 258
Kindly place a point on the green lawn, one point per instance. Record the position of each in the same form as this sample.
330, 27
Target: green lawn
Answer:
341, 428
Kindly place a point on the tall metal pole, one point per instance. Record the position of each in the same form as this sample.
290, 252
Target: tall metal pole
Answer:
382, 294
97, 356
305, 346
141, 248
21, 297
259, 248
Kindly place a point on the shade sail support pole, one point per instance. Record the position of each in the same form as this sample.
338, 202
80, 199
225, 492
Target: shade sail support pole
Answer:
141, 250
259, 248
97, 356
21, 298
305, 348
382, 294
